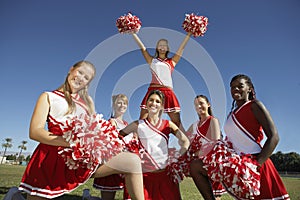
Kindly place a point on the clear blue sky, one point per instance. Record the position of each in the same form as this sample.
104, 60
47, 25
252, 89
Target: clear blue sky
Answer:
40, 40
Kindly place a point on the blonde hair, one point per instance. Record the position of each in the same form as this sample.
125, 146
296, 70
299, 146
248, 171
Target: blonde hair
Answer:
83, 93
114, 100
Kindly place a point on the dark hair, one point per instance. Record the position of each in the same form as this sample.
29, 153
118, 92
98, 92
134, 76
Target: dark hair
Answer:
159, 93
250, 84
156, 50
206, 99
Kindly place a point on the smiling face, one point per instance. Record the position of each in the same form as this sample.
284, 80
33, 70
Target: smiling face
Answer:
80, 76
201, 106
154, 104
240, 90
120, 106
162, 46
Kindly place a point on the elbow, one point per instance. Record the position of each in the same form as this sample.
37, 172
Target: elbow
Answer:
33, 134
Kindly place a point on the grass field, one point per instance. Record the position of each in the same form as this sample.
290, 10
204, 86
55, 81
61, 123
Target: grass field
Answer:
10, 175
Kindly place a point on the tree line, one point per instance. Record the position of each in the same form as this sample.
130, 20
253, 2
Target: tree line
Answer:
286, 162
8, 144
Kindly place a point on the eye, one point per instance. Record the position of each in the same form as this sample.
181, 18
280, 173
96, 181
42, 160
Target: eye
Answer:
86, 78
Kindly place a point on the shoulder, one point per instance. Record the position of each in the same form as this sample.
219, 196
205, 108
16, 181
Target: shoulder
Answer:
44, 96
214, 120
257, 105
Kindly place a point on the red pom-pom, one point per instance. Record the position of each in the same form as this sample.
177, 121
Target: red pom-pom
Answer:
197, 25
92, 140
128, 24
239, 173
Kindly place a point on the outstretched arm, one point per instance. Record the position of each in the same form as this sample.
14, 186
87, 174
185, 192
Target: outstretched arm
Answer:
264, 118
145, 53
179, 52
183, 141
37, 131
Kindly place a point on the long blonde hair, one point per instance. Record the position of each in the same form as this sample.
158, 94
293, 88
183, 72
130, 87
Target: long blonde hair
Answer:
83, 93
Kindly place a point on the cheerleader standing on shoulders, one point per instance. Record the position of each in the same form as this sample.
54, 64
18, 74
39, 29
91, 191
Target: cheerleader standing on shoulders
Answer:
206, 128
47, 176
153, 135
110, 184
244, 129
161, 70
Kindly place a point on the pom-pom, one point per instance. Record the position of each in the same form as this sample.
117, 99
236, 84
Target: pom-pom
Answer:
128, 24
179, 167
196, 25
92, 140
238, 173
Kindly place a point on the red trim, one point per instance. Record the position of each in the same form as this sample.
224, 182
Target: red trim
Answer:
76, 99
156, 129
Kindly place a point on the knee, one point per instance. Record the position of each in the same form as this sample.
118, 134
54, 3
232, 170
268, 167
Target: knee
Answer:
133, 163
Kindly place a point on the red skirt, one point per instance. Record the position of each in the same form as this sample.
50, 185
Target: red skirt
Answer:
218, 188
171, 101
158, 186
271, 185
109, 183
48, 176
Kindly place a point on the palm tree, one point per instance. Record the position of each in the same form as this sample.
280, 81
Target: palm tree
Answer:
22, 147
6, 145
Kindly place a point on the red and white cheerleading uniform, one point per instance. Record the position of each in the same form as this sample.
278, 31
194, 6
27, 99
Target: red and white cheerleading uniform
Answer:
46, 174
245, 133
154, 154
113, 182
201, 130
161, 70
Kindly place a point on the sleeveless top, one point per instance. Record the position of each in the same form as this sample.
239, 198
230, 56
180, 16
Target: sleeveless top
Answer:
161, 71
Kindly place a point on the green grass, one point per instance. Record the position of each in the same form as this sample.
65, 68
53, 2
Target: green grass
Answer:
10, 175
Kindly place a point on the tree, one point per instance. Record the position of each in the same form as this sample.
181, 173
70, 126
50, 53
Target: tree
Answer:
6, 145
22, 147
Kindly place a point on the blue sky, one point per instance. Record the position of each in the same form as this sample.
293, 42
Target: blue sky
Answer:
40, 40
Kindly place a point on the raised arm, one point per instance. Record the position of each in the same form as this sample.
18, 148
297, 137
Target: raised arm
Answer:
179, 52
37, 131
183, 141
145, 53
264, 118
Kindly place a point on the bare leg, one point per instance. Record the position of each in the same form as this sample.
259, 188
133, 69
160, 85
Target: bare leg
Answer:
143, 114
201, 180
128, 164
175, 117
106, 195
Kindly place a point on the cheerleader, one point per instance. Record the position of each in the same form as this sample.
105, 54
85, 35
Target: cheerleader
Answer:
245, 128
208, 129
153, 135
110, 184
47, 175
161, 71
